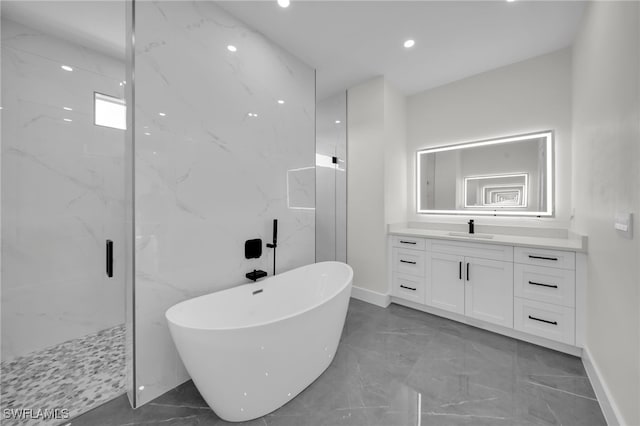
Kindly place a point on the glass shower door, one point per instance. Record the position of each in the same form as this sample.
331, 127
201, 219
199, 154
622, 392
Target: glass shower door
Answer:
62, 199
331, 179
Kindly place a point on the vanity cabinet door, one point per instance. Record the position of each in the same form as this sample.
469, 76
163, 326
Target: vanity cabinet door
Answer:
445, 289
489, 290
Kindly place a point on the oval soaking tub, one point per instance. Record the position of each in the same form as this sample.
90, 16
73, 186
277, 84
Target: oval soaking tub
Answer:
252, 348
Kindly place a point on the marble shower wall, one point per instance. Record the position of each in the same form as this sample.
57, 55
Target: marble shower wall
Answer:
217, 158
62, 192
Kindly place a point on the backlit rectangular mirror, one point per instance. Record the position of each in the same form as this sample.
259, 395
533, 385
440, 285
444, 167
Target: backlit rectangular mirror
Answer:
504, 176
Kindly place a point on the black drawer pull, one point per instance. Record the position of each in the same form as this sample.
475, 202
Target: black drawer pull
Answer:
467, 271
543, 285
109, 256
543, 258
541, 320
408, 242
459, 270
408, 288
406, 261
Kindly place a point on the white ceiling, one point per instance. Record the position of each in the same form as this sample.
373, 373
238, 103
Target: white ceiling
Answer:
351, 41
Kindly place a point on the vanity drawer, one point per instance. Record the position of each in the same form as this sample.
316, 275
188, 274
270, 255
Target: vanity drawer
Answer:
408, 287
409, 261
545, 320
550, 285
473, 249
544, 257
409, 242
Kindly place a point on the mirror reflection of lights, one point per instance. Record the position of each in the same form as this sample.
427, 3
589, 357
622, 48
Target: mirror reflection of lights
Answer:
141, 388
252, 114
338, 121
284, 3
67, 119
66, 68
162, 114
232, 48
67, 109
281, 102
147, 134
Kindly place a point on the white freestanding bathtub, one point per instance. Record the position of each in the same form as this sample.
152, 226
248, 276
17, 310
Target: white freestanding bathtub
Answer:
252, 348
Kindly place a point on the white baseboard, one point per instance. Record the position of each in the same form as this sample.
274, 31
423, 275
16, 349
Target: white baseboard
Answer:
607, 404
370, 296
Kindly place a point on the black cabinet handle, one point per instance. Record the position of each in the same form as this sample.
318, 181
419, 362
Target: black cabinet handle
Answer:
467, 271
408, 288
460, 270
543, 285
109, 258
541, 320
408, 242
543, 258
406, 261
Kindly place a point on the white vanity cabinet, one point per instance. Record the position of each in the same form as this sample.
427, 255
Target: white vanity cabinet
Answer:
408, 266
545, 293
478, 286
530, 293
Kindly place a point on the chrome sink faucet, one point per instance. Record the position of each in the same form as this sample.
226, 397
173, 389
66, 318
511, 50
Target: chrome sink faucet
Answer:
471, 226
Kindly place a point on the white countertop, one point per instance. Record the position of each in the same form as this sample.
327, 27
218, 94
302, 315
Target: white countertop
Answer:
573, 243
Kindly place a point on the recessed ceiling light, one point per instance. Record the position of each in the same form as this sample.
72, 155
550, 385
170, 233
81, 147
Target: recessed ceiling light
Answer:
280, 101
409, 43
162, 114
147, 134
231, 48
338, 121
510, 1
284, 3
67, 109
67, 119
252, 114
66, 68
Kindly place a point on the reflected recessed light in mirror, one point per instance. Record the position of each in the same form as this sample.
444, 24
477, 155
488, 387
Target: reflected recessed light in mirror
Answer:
338, 121
284, 3
162, 114
147, 134
66, 68
409, 43
67, 119
232, 48
280, 101
67, 109
252, 114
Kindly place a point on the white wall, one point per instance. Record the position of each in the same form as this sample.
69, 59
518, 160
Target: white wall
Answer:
376, 178
208, 176
366, 227
606, 158
62, 192
525, 97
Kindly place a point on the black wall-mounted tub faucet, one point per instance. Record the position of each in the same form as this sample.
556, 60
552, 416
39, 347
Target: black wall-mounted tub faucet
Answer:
471, 230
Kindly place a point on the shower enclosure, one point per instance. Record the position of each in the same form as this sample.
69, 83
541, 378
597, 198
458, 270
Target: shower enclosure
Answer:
331, 178
63, 186
173, 169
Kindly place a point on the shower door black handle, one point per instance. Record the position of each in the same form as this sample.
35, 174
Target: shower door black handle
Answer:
109, 258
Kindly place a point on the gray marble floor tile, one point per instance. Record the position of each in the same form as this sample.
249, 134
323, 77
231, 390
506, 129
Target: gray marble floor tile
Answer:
397, 367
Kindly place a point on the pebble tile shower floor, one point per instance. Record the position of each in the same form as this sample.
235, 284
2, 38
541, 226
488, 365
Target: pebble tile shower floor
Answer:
76, 375
398, 366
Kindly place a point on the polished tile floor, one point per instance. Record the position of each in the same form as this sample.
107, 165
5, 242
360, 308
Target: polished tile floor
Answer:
397, 366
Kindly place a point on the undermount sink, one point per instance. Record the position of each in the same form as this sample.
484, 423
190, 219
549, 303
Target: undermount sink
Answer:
467, 235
